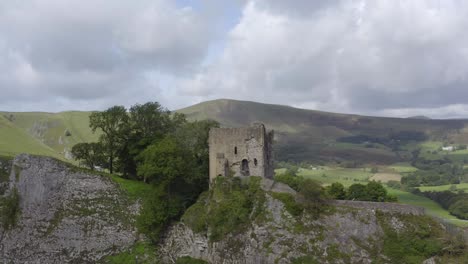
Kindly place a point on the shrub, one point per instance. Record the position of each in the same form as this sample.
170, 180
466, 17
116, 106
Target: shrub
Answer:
294, 208
10, 210
336, 191
313, 196
290, 179
394, 184
229, 207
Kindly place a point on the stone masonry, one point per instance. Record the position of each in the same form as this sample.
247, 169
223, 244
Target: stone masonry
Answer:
241, 152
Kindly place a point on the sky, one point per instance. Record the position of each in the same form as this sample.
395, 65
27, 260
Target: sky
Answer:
373, 57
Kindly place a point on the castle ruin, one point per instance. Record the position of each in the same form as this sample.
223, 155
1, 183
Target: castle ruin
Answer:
241, 152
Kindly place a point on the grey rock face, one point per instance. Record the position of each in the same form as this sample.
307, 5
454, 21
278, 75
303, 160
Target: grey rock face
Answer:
66, 215
345, 235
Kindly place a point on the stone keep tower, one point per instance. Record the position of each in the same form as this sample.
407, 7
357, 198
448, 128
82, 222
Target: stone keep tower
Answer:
243, 152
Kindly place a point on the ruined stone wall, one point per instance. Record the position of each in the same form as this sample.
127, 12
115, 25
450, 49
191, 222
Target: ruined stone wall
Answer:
229, 147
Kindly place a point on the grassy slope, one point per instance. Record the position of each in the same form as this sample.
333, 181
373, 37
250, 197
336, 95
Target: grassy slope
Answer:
308, 135
348, 176
461, 186
48, 129
14, 140
432, 208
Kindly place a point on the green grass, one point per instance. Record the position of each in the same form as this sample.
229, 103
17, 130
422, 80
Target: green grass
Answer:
43, 133
346, 176
134, 189
432, 208
143, 253
431, 145
14, 141
440, 188
402, 167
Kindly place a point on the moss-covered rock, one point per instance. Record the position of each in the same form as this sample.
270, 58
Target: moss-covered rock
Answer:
240, 223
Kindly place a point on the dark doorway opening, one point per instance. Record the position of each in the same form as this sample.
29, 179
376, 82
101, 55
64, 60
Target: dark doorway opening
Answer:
245, 168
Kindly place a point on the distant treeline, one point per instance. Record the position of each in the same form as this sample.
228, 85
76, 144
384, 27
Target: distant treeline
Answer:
391, 140
455, 203
434, 172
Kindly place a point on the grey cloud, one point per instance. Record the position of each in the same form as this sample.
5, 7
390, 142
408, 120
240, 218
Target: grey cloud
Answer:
79, 50
358, 56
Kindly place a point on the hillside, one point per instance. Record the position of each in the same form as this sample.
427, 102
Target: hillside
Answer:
301, 135
308, 135
51, 134
14, 140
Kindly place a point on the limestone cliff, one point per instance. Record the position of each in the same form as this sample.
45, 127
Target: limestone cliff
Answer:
65, 215
280, 233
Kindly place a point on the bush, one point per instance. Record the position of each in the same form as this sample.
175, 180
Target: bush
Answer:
294, 208
10, 210
157, 212
373, 191
394, 184
459, 209
229, 207
313, 196
336, 191
290, 179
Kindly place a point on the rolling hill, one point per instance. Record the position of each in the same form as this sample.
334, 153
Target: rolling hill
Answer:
301, 135
308, 135
50, 134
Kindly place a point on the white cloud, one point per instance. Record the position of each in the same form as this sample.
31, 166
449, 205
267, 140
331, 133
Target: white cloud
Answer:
347, 56
367, 56
94, 50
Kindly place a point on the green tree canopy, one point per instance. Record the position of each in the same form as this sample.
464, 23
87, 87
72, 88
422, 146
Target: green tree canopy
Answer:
337, 191
90, 154
113, 123
357, 191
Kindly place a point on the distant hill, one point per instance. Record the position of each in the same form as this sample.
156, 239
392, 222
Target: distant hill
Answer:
51, 134
308, 135
301, 135
419, 117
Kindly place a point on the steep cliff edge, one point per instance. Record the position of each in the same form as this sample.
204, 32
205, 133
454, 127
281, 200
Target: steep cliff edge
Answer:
239, 223
64, 215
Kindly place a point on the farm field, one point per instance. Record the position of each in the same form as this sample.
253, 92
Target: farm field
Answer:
346, 176
386, 177
432, 208
461, 186
402, 167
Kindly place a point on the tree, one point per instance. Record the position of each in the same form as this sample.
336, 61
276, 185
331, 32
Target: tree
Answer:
163, 162
113, 123
337, 191
193, 137
357, 191
376, 192
312, 195
149, 122
90, 154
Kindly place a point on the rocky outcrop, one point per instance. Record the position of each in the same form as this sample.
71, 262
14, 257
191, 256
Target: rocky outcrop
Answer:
348, 232
66, 215
283, 239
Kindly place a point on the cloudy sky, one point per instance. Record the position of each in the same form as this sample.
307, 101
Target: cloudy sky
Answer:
375, 57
